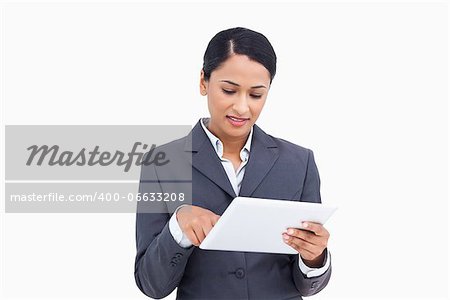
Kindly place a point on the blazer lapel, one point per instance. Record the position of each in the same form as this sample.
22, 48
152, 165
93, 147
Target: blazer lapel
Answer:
263, 154
205, 159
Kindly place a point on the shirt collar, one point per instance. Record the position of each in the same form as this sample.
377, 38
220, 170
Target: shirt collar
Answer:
218, 145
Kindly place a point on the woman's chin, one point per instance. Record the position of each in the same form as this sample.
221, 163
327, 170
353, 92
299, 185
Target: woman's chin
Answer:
237, 131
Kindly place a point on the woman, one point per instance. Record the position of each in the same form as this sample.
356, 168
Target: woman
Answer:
232, 156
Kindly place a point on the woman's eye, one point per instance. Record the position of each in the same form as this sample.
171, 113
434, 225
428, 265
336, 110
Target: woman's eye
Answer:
232, 92
228, 92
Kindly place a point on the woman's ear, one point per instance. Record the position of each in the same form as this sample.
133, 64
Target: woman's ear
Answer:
203, 83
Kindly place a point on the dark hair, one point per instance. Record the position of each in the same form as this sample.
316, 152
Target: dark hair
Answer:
239, 40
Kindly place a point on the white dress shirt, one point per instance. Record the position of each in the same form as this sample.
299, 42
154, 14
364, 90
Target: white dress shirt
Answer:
235, 178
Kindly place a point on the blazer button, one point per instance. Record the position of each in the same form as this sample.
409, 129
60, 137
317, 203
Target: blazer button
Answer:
240, 273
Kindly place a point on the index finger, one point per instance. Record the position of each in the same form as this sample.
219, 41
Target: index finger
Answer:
215, 219
317, 228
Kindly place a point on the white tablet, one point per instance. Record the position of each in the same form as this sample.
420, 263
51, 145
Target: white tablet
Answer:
256, 224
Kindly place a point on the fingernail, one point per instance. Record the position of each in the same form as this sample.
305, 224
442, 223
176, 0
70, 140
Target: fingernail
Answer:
291, 231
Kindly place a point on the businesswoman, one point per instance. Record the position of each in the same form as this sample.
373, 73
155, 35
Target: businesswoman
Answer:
229, 155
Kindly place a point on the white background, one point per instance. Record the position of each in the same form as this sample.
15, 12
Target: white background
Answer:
364, 85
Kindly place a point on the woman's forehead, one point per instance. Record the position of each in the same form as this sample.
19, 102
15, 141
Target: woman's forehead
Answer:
241, 70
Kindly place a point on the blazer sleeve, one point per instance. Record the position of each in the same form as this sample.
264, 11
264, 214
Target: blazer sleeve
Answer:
310, 193
160, 260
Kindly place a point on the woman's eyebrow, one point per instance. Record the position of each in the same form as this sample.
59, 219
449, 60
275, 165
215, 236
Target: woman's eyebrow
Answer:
234, 83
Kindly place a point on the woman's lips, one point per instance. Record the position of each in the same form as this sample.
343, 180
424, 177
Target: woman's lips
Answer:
235, 121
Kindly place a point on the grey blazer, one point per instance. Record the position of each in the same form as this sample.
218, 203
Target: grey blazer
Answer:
276, 169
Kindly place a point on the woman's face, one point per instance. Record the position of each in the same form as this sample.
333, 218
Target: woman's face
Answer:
237, 92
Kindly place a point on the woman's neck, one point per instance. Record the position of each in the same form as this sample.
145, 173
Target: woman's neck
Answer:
231, 145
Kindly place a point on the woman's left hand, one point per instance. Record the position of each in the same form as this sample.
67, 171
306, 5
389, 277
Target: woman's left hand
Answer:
310, 242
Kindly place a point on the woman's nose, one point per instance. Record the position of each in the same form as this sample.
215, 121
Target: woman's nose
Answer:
241, 105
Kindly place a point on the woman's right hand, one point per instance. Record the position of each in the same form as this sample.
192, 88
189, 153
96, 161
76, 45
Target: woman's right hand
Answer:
196, 222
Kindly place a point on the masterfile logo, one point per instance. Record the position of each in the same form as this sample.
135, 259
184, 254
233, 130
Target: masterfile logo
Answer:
54, 156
